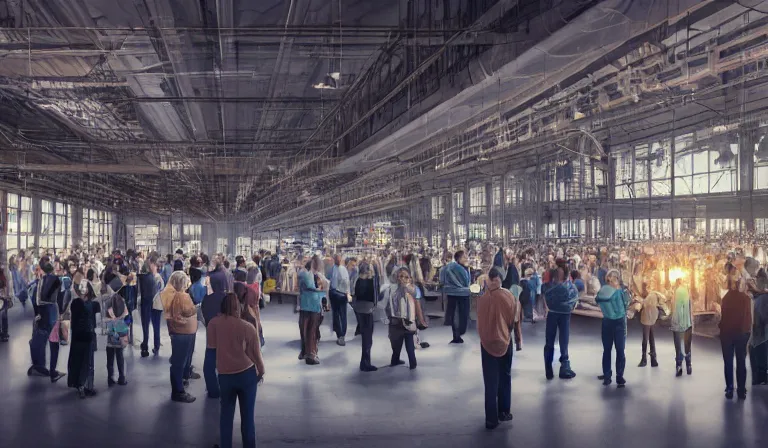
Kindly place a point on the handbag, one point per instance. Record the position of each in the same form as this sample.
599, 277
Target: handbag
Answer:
64, 330
117, 334
54, 336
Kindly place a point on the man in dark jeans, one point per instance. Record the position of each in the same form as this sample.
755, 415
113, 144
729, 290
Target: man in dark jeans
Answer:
46, 314
735, 328
496, 311
454, 278
560, 301
338, 295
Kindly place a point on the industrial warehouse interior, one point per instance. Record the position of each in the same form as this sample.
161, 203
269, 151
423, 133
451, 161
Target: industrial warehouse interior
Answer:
223, 221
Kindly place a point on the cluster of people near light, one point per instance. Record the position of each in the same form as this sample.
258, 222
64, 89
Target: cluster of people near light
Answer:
523, 283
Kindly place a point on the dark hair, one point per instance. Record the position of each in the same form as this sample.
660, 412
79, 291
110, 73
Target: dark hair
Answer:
169, 258
180, 251
575, 274
194, 261
230, 306
240, 276
195, 275
308, 266
226, 264
256, 259
556, 275
457, 256
204, 258
239, 260
494, 273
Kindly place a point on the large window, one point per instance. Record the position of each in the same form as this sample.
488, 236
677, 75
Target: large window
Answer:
477, 201
176, 237
145, 238
720, 226
661, 229
660, 168
478, 231
221, 246
438, 220
97, 228
55, 224
244, 246
708, 167
192, 238
690, 228
459, 229
19, 223
623, 229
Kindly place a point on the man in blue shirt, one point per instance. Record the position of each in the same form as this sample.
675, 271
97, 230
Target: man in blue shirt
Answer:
454, 278
561, 299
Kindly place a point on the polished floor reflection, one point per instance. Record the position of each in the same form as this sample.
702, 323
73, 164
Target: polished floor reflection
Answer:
440, 404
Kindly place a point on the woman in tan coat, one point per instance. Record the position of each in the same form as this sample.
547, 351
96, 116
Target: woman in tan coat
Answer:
181, 315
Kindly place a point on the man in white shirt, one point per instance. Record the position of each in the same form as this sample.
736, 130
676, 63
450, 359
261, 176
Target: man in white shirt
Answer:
339, 298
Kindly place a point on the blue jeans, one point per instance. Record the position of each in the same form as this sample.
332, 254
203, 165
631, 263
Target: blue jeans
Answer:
735, 345
149, 315
182, 346
614, 333
497, 378
458, 309
339, 306
209, 373
557, 322
238, 387
37, 351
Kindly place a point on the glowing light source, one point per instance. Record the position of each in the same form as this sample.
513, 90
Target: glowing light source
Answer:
677, 273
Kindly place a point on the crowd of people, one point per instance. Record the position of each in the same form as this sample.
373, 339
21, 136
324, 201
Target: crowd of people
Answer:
68, 291
521, 283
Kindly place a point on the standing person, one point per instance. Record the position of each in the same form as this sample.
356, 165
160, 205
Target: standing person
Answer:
758, 343
454, 277
401, 314
241, 369
311, 314
211, 308
682, 327
339, 295
649, 314
613, 301
178, 262
167, 268
117, 339
84, 308
45, 292
6, 300
513, 275
560, 301
180, 314
496, 313
365, 302
19, 278
735, 327
150, 285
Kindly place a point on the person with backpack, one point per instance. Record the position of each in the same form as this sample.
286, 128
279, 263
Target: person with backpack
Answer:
117, 339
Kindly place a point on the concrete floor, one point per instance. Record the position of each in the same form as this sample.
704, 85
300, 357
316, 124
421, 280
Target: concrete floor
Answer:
440, 404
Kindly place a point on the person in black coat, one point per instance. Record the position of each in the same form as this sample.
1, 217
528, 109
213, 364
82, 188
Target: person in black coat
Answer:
211, 307
365, 302
83, 329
